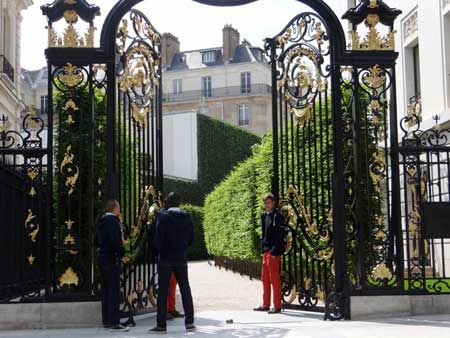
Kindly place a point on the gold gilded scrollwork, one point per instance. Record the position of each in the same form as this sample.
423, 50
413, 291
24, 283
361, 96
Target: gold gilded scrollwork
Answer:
377, 169
69, 240
69, 170
381, 272
71, 38
138, 45
70, 76
373, 39
31, 259
69, 278
69, 224
375, 78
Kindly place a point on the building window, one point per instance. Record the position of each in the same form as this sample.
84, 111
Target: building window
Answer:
206, 86
416, 58
178, 86
244, 114
246, 83
209, 56
44, 104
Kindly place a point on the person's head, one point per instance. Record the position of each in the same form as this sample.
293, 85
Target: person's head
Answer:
173, 200
112, 206
269, 202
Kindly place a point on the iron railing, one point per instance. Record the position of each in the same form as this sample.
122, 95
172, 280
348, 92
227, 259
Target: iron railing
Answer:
195, 95
6, 68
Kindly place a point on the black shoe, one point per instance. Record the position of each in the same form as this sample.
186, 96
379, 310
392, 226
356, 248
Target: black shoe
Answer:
176, 314
169, 316
274, 311
190, 328
262, 309
158, 329
119, 328
107, 327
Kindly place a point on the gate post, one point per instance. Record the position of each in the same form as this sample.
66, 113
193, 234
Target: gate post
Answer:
374, 232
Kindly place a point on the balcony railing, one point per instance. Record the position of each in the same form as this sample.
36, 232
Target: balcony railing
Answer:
198, 95
6, 68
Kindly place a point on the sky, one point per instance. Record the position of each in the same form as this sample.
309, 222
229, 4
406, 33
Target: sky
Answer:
196, 25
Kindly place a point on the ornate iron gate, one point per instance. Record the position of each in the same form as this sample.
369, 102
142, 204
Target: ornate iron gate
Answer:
24, 181
424, 169
334, 119
336, 161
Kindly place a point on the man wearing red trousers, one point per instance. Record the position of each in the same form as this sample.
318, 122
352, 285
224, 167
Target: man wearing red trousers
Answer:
171, 300
272, 248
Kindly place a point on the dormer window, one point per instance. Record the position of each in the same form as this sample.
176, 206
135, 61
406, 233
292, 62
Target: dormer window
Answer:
209, 56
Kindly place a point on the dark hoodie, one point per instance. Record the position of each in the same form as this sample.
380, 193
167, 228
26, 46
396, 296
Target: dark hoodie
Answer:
173, 236
108, 236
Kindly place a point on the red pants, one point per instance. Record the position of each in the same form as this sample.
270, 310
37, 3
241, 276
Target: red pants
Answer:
171, 298
270, 277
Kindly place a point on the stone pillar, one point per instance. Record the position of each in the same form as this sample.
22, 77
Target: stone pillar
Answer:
170, 46
231, 40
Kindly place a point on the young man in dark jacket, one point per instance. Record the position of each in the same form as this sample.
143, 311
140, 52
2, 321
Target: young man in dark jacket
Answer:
172, 311
272, 248
108, 238
174, 234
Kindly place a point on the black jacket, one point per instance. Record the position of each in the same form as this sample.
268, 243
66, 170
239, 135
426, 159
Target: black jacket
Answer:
108, 236
174, 234
273, 236
152, 233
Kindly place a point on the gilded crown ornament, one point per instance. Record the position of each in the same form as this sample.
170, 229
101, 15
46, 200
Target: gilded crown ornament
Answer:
70, 11
372, 13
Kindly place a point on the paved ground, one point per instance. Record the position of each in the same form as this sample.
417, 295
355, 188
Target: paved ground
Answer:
221, 295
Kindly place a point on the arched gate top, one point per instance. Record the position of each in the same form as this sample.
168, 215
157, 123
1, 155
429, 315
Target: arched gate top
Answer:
323, 10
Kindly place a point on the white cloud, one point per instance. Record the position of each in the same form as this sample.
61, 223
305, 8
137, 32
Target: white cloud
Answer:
196, 25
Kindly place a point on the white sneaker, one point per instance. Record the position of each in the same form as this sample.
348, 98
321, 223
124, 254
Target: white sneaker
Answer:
119, 328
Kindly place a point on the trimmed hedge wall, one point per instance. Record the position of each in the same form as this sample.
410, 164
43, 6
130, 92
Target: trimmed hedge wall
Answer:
232, 210
198, 249
220, 147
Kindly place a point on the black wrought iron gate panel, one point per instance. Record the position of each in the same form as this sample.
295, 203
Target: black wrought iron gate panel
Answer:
107, 144
23, 213
138, 151
335, 167
303, 142
425, 167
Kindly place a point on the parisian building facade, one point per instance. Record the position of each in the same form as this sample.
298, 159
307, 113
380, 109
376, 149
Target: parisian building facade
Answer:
11, 101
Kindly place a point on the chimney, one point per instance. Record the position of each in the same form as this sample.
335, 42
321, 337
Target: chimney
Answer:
231, 40
170, 45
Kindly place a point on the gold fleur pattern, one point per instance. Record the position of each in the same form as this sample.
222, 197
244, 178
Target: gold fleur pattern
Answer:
69, 224
69, 240
31, 259
382, 273
70, 76
69, 278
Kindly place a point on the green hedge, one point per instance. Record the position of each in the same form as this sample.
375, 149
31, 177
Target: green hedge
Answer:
220, 147
198, 250
232, 210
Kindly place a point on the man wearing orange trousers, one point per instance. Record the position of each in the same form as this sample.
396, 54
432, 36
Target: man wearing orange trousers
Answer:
272, 248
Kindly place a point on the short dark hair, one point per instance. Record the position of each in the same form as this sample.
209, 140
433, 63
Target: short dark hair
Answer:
269, 196
110, 205
173, 200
